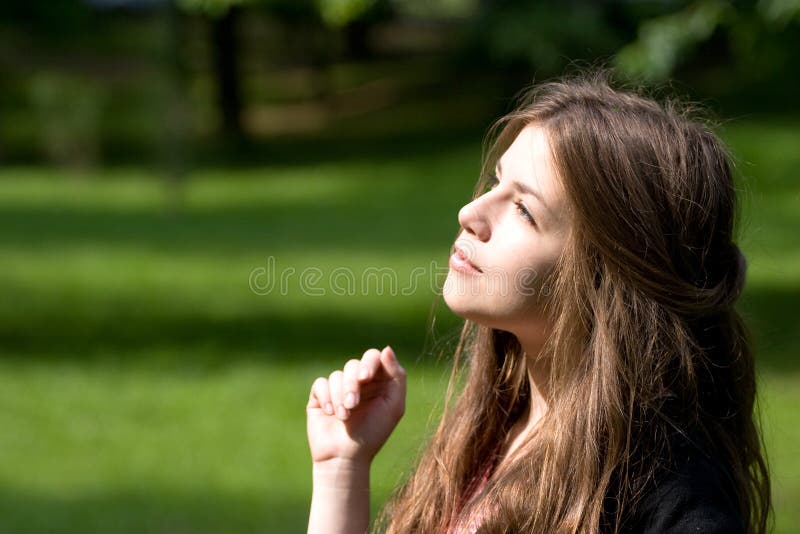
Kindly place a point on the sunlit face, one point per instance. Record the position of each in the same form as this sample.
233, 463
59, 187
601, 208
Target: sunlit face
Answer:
512, 235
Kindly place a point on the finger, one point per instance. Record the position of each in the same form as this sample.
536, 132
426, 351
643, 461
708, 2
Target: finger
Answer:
370, 363
335, 385
350, 384
371, 390
320, 396
396, 393
391, 365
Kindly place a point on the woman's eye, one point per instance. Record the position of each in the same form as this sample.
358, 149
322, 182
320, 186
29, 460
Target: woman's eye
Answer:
523, 211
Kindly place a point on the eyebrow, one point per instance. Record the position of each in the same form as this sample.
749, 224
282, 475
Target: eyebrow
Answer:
524, 188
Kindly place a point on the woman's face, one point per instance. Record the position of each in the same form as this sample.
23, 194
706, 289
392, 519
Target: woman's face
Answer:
511, 237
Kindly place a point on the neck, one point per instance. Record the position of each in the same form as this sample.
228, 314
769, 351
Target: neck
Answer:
538, 375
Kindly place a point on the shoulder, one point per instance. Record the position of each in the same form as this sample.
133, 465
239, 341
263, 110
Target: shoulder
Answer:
694, 494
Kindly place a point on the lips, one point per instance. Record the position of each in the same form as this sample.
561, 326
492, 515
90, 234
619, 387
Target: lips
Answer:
460, 261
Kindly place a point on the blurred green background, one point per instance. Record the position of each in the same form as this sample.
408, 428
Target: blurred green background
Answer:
161, 162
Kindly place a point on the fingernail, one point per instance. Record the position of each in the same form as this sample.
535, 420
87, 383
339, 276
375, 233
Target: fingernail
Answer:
329, 408
391, 352
343, 414
350, 400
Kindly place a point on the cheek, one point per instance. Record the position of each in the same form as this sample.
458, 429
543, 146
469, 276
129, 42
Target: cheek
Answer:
531, 282
532, 278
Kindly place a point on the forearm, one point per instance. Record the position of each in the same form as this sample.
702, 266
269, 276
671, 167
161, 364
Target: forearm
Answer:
340, 499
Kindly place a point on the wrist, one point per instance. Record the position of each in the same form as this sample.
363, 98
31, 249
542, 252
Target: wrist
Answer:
340, 500
341, 474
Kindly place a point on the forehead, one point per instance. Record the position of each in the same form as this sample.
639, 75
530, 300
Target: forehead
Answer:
528, 160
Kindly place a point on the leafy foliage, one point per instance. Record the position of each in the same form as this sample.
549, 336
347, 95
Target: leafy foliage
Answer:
664, 42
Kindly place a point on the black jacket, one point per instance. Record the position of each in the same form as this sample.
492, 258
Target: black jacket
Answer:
695, 494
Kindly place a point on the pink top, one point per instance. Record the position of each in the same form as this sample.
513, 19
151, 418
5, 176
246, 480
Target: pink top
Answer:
471, 524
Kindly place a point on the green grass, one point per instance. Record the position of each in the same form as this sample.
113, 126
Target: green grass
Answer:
132, 446
145, 387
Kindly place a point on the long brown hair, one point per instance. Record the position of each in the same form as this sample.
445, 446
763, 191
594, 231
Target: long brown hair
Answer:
647, 342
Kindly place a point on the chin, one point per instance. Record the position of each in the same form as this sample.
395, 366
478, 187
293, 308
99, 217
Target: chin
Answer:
509, 316
460, 302
469, 308
462, 305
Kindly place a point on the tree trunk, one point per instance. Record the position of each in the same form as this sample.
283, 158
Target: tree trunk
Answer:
177, 111
226, 64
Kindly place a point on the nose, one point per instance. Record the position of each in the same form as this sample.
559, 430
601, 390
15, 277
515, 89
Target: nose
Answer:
473, 220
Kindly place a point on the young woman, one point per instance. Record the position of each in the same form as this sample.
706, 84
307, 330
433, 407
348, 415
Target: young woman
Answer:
609, 382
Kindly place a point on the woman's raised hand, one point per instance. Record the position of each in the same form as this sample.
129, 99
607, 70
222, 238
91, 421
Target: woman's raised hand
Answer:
351, 413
